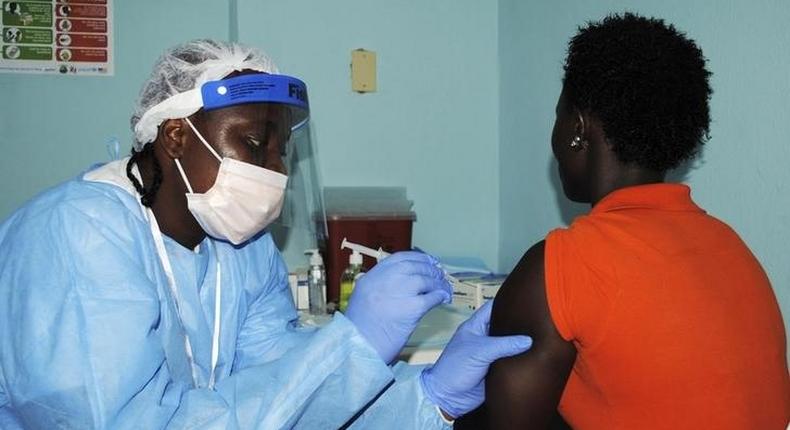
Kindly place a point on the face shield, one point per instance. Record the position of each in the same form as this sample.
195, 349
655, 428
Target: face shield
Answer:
303, 205
302, 218
302, 222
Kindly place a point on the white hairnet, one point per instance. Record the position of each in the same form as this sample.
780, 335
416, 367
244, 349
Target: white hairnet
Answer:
168, 92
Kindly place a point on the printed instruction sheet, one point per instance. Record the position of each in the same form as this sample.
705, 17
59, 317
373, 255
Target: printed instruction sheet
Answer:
68, 37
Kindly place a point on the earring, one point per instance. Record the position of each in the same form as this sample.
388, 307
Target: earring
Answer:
576, 143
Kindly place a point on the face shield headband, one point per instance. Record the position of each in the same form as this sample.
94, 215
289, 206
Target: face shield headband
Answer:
259, 88
252, 88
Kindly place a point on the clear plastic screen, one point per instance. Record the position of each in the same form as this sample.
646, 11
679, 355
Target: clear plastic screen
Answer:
302, 223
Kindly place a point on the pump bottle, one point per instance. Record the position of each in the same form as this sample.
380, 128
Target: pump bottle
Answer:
316, 283
349, 278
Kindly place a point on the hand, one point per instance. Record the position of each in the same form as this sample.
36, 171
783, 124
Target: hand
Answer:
456, 383
389, 301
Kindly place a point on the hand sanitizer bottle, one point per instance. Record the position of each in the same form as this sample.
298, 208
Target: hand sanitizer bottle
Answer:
349, 277
316, 283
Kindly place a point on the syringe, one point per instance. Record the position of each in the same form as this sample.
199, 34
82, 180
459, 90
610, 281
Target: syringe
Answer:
378, 254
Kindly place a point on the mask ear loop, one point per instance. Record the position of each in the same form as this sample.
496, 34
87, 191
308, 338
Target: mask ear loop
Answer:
202, 139
218, 286
184, 176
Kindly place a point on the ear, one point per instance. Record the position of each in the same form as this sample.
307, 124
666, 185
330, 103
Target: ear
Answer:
581, 130
580, 124
174, 137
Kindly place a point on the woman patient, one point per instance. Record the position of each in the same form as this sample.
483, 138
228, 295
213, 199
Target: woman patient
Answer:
646, 313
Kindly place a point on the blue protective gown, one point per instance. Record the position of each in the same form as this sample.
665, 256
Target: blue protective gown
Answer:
89, 337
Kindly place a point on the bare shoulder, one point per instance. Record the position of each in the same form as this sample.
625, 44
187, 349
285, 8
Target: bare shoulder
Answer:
525, 390
517, 307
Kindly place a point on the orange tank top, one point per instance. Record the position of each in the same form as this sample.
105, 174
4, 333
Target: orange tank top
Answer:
674, 320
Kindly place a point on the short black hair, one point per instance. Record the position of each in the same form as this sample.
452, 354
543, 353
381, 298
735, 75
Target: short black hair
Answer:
647, 84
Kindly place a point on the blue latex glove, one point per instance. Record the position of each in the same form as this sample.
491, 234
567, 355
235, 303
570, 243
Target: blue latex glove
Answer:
389, 301
456, 383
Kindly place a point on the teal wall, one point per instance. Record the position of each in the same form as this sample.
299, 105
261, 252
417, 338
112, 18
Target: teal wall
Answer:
742, 177
462, 116
432, 124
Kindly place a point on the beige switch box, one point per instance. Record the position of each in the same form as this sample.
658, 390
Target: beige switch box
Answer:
363, 71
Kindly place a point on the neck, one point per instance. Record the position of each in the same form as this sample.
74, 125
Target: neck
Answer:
170, 206
608, 173
626, 176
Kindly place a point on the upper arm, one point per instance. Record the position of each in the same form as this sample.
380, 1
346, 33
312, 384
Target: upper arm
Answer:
269, 326
76, 305
523, 391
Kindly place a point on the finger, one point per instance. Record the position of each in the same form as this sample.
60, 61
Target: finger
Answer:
419, 257
479, 321
421, 269
448, 288
432, 299
422, 284
495, 347
408, 269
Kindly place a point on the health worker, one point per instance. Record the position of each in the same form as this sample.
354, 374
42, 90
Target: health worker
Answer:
147, 293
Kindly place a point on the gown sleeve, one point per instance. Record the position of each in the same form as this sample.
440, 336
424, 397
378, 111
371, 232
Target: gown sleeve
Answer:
403, 406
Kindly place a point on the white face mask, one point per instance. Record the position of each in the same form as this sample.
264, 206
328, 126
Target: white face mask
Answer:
243, 201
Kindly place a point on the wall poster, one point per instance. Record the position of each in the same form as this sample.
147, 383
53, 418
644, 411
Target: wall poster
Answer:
69, 37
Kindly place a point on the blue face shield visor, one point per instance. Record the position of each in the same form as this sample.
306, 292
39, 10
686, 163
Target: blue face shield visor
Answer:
259, 88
